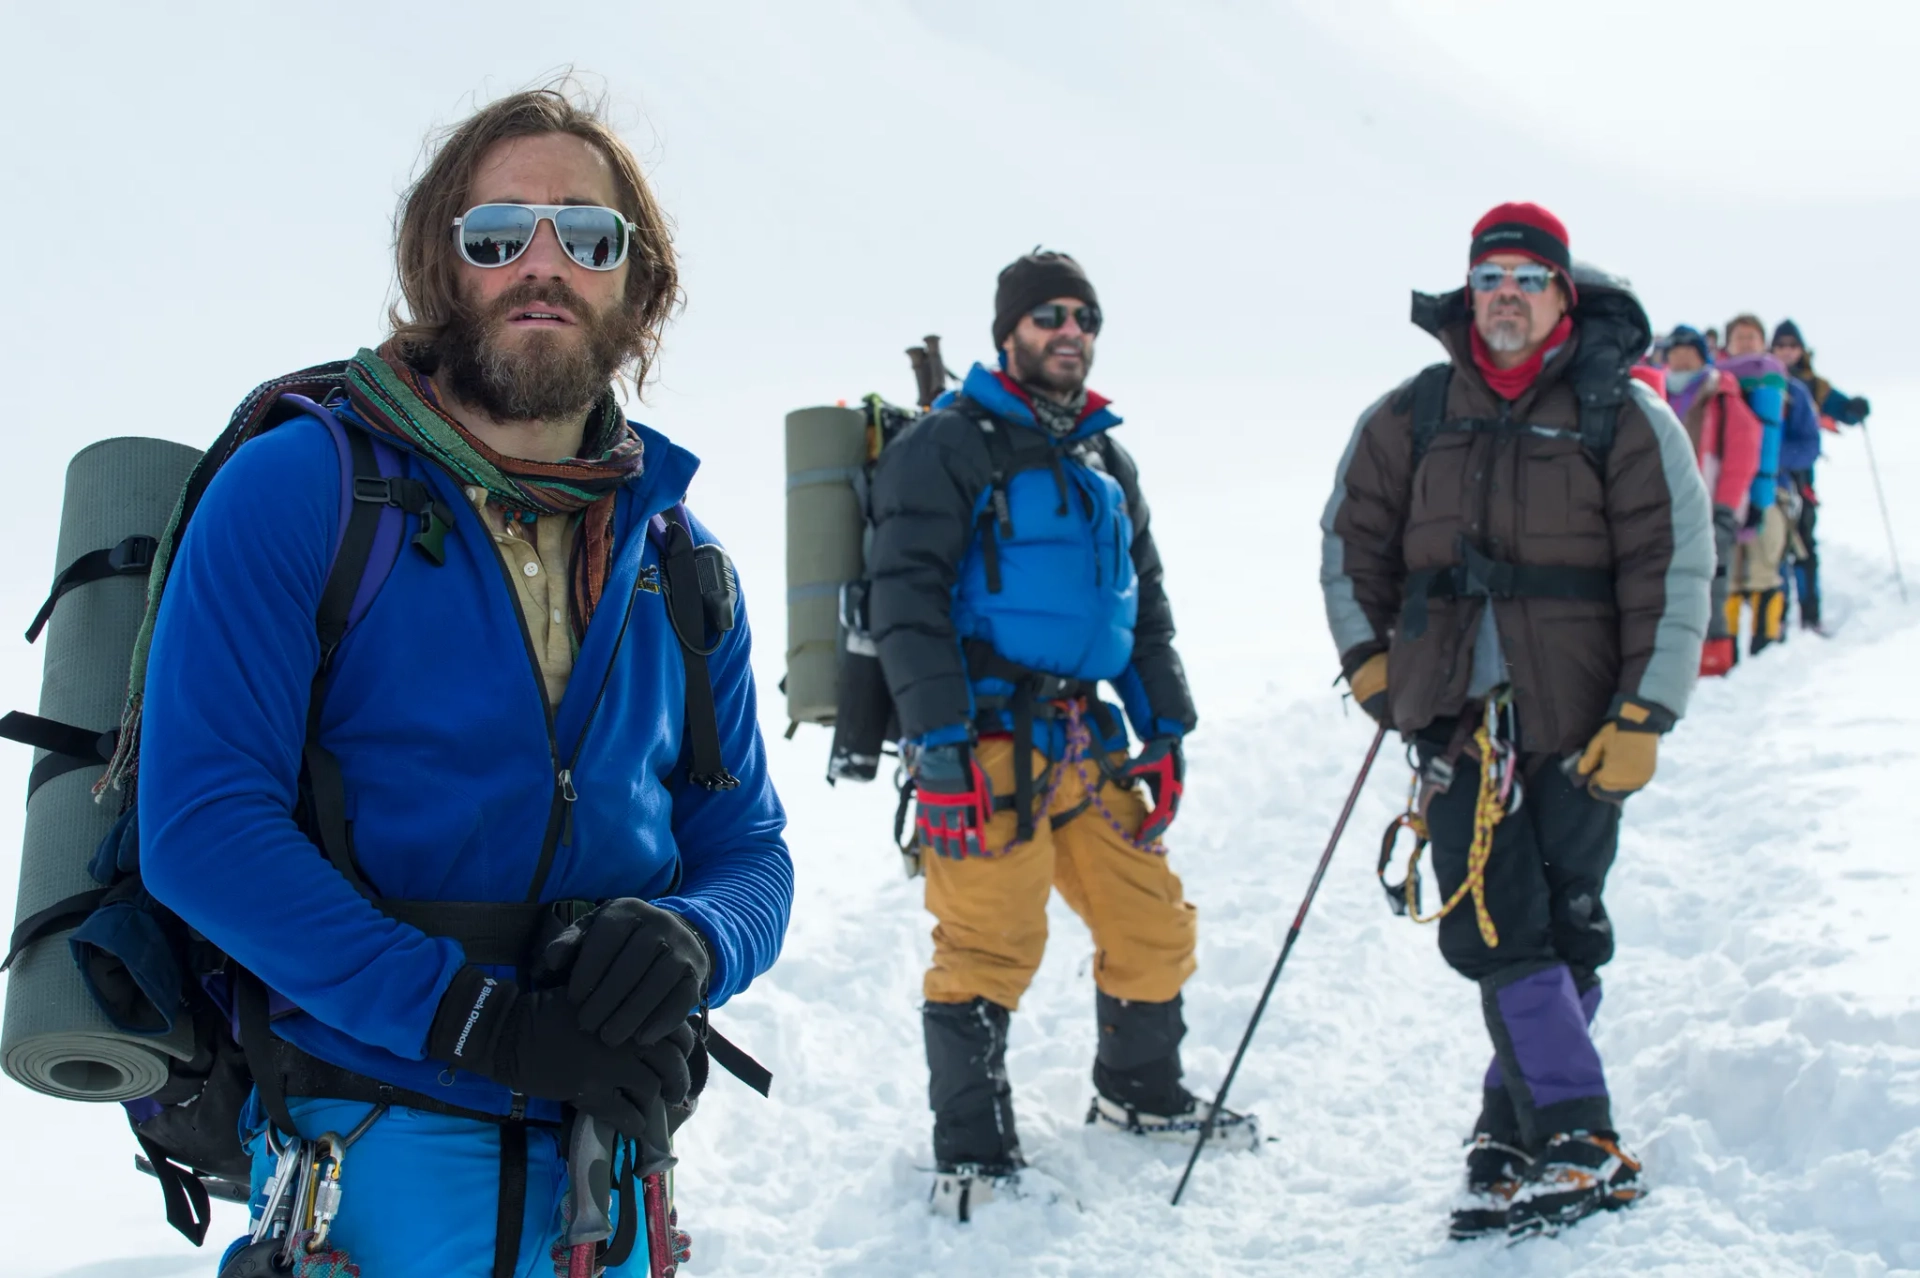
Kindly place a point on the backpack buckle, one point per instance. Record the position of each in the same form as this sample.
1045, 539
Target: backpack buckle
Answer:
374, 490
133, 555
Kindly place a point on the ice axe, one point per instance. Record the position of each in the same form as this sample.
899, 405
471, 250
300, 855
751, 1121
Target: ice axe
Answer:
1293, 934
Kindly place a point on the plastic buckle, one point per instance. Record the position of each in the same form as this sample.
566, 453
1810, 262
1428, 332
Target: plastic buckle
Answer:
435, 523
135, 554
376, 490
571, 910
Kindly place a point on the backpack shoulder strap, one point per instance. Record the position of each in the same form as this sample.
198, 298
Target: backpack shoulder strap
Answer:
996, 519
1599, 421
376, 502
1429, 401
685, 609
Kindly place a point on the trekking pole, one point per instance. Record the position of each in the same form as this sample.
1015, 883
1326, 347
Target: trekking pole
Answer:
1892, 548
1293, 934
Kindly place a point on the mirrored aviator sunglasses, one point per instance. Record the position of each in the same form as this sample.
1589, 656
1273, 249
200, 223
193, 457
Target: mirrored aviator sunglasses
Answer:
1052, 315
1528, 277
493, 235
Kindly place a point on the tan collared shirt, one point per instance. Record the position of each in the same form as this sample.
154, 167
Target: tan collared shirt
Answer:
538, 556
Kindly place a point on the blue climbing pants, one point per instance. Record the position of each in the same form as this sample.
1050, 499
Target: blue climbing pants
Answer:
420, 1193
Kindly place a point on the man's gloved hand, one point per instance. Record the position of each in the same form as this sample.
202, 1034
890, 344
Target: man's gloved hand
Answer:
1369, 686
634, 970
954, 801
1859, 406
1162, 764
1750, 530
1621, 757
533, 1044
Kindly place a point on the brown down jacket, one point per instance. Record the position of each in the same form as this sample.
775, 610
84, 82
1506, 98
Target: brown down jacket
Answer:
1527, 494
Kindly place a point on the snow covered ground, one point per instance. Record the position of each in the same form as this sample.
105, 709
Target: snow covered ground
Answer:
1761, 1026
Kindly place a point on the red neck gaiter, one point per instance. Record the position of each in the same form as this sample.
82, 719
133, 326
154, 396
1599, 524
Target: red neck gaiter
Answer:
1511, 383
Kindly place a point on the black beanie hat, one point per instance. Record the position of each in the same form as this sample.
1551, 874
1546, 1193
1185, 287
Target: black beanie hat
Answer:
1789, 330
1040, 276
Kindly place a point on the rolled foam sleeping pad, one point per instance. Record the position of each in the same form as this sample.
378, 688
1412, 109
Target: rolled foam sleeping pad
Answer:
826, 450
54, 1038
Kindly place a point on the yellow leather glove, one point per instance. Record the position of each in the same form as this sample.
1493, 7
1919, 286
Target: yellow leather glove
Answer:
1621, 757
1369, 686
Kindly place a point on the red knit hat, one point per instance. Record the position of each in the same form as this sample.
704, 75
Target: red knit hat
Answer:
1526, 229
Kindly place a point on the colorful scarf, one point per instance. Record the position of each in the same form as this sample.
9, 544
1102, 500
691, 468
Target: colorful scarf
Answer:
390, 396
1512, 383
393, 398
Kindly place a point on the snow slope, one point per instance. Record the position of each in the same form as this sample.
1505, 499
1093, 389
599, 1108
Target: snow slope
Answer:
1761, 1026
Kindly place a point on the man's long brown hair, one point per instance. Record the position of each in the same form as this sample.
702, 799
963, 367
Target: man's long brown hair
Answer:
427, 261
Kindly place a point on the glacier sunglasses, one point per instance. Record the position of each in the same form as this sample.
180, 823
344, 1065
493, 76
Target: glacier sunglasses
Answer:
493, 235
1528, 277
1053, 315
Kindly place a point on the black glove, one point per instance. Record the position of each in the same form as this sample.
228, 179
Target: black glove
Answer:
634, 970
955, 801
1859, 407
1162, 764
532, 1043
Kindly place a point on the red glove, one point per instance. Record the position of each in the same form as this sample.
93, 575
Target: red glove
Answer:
1162, 764
955, 801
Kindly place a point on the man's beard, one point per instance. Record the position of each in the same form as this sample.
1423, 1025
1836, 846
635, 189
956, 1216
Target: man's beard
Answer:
1030, 369
1508, 328
544, 376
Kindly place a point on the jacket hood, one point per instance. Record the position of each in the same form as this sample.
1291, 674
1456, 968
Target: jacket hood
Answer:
1610, 327
1000, 395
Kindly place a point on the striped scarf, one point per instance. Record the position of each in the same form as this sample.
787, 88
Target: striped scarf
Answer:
391, 397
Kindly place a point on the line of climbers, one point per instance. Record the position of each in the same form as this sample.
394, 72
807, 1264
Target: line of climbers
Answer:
1757, 415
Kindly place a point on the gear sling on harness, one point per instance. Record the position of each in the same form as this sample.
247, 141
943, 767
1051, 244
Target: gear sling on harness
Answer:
1500, 794
382, 505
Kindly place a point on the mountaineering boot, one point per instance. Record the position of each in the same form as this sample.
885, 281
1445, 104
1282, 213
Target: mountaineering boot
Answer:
1769, 612
1578, 1174
961, 1190
1495, 1170
976, 1150
1136, 1078
1232, 1130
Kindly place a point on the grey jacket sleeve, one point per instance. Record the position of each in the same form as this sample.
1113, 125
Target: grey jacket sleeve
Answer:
1361, 564
1163, 679
924, 492
1662, 526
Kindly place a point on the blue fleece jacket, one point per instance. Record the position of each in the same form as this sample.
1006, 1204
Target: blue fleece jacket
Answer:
439, 719
1799, 430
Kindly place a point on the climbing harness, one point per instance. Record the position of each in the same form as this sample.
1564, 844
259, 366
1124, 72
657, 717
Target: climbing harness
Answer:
1501, 794
1078, 755
1079, 750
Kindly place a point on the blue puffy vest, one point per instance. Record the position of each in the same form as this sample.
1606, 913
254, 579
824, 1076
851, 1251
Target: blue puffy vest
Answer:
1054, 529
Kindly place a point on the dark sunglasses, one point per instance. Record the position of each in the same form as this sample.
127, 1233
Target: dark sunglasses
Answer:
1528, 277
493, 235
1053, 315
